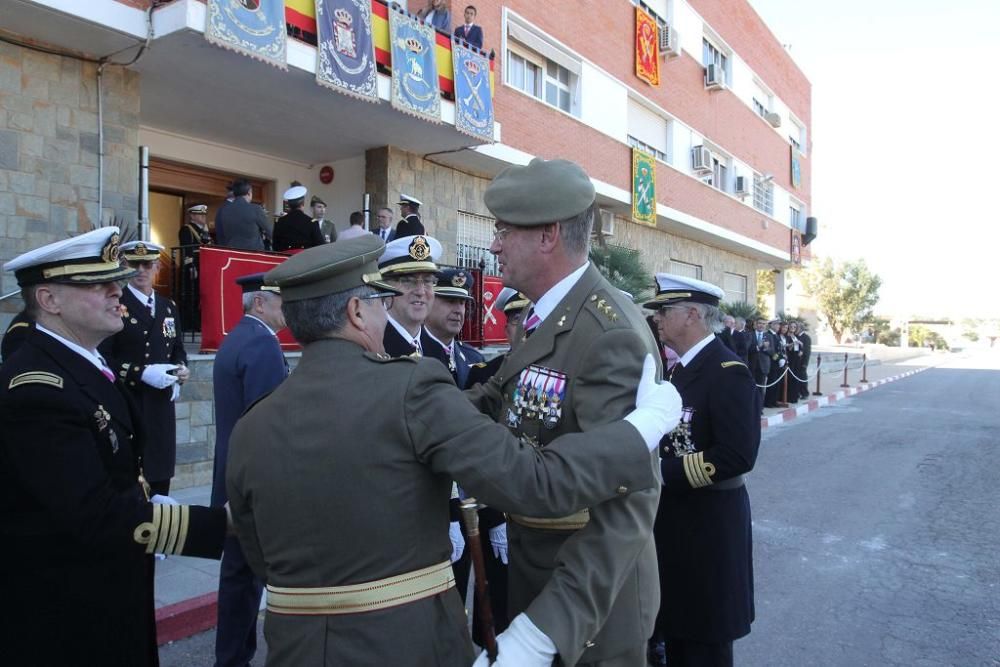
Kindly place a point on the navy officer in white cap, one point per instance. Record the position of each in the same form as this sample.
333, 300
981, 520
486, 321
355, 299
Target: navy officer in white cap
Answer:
296, 230
703, 536
78, 524
410, 225
409, 265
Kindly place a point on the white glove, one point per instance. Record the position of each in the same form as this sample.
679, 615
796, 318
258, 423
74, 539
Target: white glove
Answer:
175, 392
498, 538
522, 644
457, 541
157, 499
781, 363
156, 375
657, 406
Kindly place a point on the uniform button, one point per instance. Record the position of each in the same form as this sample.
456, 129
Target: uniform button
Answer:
147, 354
622, 490
589, 644
147, 343
145, 333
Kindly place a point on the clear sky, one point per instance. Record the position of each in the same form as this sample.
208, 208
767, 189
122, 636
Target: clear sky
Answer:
906, 142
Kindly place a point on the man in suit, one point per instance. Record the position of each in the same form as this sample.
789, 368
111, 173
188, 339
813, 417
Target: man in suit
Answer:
410, 224
229, 200
241, 224
326, 227
385, 230
408, 264
79, 525
728, 329
437, 14
703, 533
470, 32
295, 230
806, 352
778, 361
583, 354
192, 236
148, 354
386, 481
741, 340
249, 365
761, 347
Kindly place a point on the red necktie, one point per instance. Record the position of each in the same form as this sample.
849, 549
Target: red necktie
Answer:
105, 371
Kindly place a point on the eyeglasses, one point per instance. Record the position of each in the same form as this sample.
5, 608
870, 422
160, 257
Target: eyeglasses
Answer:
412, 282
385, 297
664, 308
500, 233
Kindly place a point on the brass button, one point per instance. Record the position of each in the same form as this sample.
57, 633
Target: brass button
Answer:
589, 644
622, 490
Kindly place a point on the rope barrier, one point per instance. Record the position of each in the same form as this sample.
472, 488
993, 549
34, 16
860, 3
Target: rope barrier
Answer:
780, 377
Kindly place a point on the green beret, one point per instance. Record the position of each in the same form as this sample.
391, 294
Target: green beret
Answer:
330, 268
544, 191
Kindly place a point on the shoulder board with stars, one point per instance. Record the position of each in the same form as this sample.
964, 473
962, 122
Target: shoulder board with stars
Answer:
385, 358
604, 307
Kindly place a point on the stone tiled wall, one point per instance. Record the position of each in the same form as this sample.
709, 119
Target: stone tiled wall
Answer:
49, 149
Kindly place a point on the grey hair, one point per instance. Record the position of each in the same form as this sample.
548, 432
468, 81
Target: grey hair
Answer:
248, 301
711, 316
313, 319
575, 232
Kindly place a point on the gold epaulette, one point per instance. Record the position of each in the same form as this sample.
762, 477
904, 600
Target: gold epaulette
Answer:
698, 471
727, 364
17, 325
385, 358
167, 532
36, 377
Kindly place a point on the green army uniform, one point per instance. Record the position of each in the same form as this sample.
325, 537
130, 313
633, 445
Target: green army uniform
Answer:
339, 514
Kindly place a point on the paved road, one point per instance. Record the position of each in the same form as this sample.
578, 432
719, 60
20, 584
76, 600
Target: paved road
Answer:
877, 528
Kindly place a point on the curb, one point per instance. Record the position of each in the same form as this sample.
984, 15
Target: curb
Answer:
186, 618
788, 414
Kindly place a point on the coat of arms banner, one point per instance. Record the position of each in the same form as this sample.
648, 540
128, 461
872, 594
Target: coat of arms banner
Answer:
345, 49
415, 88
473, 98
252, 27
647, 48
643, 187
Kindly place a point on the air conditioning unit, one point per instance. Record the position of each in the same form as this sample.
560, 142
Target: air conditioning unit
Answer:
743, 185
773, 118
607, 223
701, 159
670, 42
715, 77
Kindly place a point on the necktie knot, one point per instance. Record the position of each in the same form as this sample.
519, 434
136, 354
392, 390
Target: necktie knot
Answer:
532, 321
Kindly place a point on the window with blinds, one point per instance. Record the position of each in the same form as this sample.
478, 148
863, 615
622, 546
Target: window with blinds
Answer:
475, 235
685, 269
735, 287
648, 131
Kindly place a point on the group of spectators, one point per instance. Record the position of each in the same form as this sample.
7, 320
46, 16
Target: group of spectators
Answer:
437, 14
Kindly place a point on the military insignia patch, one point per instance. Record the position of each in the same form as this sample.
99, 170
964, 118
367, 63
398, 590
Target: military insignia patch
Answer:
141, 249
110, 251
539, 394
419, 250
169, 328
680, 437
459, 280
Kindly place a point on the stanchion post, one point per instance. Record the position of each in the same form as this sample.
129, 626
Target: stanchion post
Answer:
819, 372
783, 403
864, 369
845, 385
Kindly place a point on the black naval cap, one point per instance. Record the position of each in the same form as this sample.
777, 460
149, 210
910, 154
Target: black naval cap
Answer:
512, 301
671, 288
542, 192
330, 268
87, 259
254, 282
455, 284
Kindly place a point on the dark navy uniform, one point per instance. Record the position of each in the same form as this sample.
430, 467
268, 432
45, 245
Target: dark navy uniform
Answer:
409, 226
16, 332
76, 527
191, 238
703, 534
397, 346
146, 340
296, 230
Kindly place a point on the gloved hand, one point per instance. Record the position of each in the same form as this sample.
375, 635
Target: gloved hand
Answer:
781, 362
522, 644
157, 499
457, 541
657, 406
175, 392
498, 538
156, 375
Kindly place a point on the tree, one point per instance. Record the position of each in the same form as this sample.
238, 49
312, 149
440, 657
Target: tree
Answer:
623, 268
747, 311
765, 290
845, 293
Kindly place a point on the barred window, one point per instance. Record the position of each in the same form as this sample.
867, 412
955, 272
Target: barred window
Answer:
475, 235
763, 193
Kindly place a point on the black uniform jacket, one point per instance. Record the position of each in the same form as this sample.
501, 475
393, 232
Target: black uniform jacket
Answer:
296, 230
397, 346
409, 226
16, 332
703, 539
149, 340
74, 523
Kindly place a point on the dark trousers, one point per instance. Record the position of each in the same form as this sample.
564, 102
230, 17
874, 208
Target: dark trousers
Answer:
683, 653
161, 488
239, 604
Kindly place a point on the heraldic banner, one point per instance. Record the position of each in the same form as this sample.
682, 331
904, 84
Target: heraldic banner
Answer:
345, 53
647, 48
253, 27
414, 66
796, 168
473, 101
643, 187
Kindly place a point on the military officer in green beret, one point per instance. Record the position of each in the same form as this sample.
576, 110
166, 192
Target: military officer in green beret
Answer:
587, 580
345, 517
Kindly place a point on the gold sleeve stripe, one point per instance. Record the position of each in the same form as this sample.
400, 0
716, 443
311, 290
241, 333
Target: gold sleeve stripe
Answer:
36, 377
183, 532
175, 528
163, 528
154, 525
698, 472
727, 364
17, 325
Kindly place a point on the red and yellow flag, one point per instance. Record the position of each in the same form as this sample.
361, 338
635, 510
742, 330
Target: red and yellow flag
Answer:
647, 48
